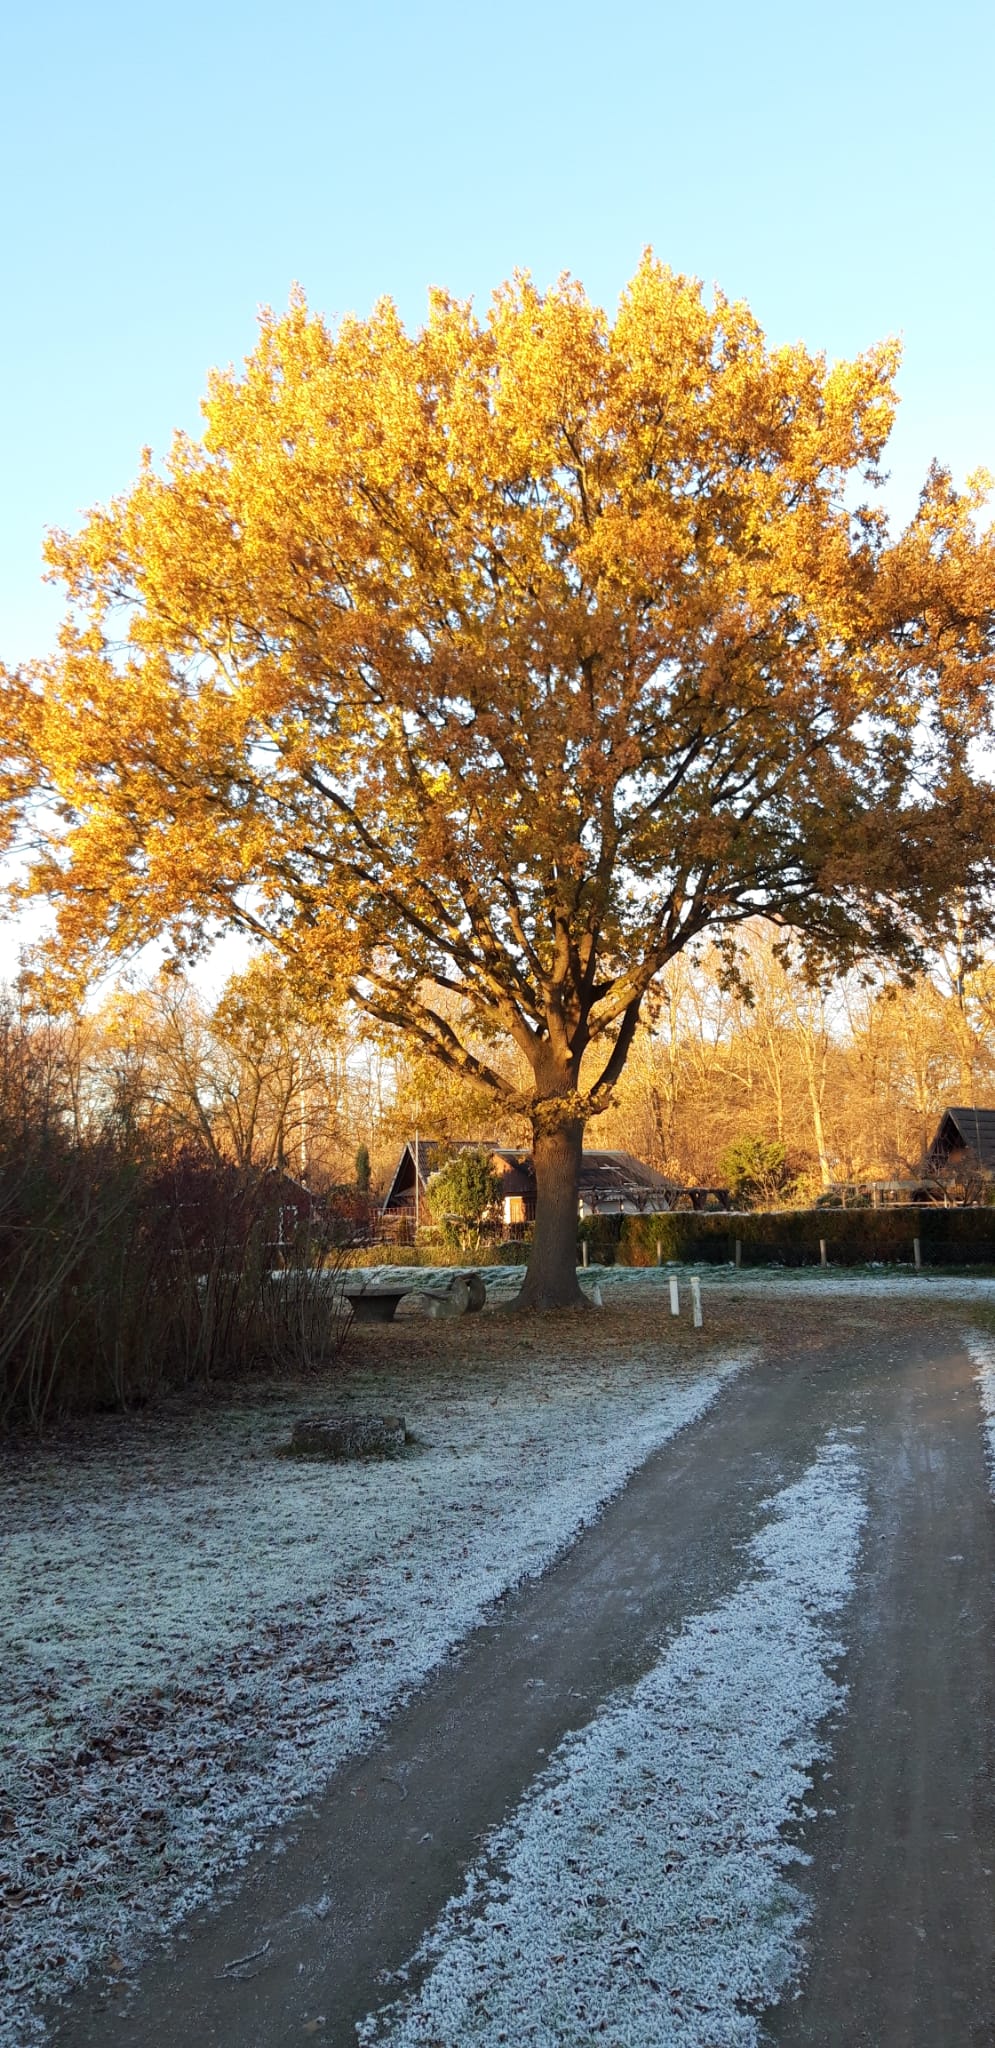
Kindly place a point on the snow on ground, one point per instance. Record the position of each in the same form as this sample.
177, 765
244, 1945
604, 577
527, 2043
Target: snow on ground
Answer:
639, 1897
195, 1632
982, 1350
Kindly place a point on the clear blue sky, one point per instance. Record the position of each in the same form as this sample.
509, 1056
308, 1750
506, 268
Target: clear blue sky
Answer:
166, 169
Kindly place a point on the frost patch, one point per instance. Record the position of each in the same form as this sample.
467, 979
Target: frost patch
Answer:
195, 1634
784, 1282
639, 1897
982, 1351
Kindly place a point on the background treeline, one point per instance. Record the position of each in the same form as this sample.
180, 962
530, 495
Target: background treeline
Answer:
143, 1139
849, 1078
843, 1081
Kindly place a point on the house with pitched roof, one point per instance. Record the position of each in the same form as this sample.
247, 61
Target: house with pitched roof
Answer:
964, 1143
612, 1183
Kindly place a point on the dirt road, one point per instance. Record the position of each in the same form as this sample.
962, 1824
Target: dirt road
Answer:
901, 1951
903, 1872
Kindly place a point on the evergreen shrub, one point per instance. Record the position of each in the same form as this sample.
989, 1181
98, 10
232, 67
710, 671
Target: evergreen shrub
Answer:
601, 1235
790, 1237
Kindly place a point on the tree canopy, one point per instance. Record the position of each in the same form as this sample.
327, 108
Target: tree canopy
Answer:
483, 668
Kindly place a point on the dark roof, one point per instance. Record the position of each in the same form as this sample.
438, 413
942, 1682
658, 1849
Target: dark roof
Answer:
964, 1130
608, 1173
604, 1175
431, 1149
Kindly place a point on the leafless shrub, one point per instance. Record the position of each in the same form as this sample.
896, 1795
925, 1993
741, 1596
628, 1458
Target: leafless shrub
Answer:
124, 1269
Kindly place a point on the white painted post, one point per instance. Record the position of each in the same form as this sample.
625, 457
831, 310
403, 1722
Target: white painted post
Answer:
675, 1298
696, 1316
917, 1252
823, 1255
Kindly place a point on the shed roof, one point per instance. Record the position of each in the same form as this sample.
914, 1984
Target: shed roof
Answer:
603, 1174
963, 1129
614, 1172
430, 1151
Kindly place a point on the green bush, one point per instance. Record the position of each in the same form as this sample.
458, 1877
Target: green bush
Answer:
790, 1237
463, 1191
754, 1169
601, 1236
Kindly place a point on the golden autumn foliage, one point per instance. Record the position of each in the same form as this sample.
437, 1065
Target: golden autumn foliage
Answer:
485, 667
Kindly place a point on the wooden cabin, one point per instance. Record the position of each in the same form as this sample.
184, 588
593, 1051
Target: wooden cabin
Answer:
964, 1143
512, 1167
611, 1184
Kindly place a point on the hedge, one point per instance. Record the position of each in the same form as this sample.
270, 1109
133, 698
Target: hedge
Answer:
790, 1237
513, 1252
779, 1237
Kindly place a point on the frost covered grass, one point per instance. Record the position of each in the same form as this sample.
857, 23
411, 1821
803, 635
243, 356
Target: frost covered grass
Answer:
639, 1896
981, 1350
785, 1282
623, 1284
195, 1632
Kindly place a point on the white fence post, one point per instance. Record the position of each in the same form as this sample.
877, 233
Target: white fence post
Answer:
696, 1316
675, 1298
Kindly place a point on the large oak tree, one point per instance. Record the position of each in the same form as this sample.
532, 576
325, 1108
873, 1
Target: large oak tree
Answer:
482, 669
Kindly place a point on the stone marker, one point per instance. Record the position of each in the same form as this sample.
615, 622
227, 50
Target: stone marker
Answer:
464, 1294
338, 1435
476, 1291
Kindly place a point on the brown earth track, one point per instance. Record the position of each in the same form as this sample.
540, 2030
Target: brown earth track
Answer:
903, 1871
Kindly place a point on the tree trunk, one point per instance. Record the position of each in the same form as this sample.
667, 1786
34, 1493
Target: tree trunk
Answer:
825, 1169
551, 1276
814, 1062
